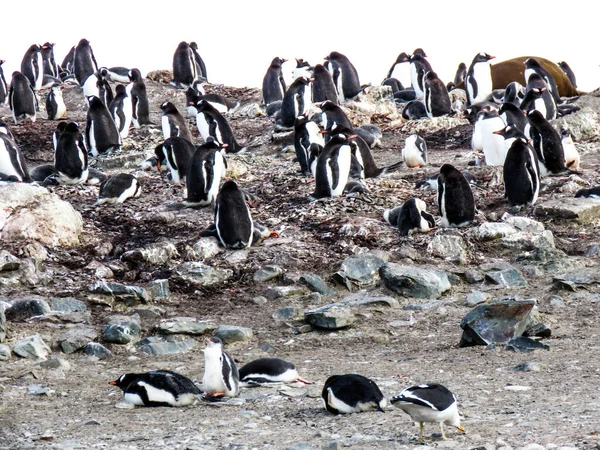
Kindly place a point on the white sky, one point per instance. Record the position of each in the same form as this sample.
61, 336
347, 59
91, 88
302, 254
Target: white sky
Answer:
238, 39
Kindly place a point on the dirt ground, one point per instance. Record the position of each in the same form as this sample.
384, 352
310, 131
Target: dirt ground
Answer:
555, 406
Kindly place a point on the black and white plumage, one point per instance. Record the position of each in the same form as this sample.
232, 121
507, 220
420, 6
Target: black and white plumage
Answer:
184, 66
411, 216
101, 134
400, 70
569, 72
201, 73
352, 393
12, 162
50, 66
212, 124
194, 94
455, 198
22, 98
429, 403
344, 74
532, 66
461, 73
121, 110
414, 152
32, 66
55, 104
322, 86
588, 193
572, 158
436, 98
84, 61
514, 93
173, 123
270, 370
362, 152
157, 388
414, 110
118, 188
4, 129
521, 174
206, 168
136, 89
419, 66
333, 167
302, 69
306, 132
71, 156
478, 81
486, 140
333, 117
3, 85
273, 87
431, 183
547, 144
116, 74
221, 377
513, 116
538, 96
177, 153
293, 103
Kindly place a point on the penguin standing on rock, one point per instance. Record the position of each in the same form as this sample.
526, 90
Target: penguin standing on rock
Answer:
55, 104
461, 73
3, 85
273, 87
455, 198
352, 393
101, 133
12, 163
400, 70
478, 81
521, 174
84, 61
270, 370
136, 89
206, 168
333, 167
212, 124
200, 66
345, 76
569, 72
293, 104
221, 377
32, 66
177, 152
121, 110
436, 99
118, 188
414, 152
411, 216
322, 86
70, 156
173, 123
22, 98
184, 66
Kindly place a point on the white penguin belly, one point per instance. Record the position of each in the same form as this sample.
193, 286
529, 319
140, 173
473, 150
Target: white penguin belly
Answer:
128, 112
202, 125
129, 192
493, 144
6, 165
90, 87
213, 376
401, 73
483, 74
93, 148
314, 134
343, 161
166, 127
158, 395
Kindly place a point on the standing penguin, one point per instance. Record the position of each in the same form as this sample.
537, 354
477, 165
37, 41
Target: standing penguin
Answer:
206, 168
293, 105
104, 90
184, 66
333, 167
221, 377
173, 123
352, 393
121, 110
492, 144
306, 132
32, 66
436, 99
513, 116
101, 133
478, 81
12, 163
273, 87
322, 86
50, 66
547, 144
533, 66
177, 152
302, 69
333, 117
414, 152
514, 93
84, 61
70, 156
3, 85
411, 216
345, 76
419, 66
538, 96
521, 174
569, 72
455, 198
22, 98
136, 89
211, 123
461, 73
400, 70
200, 66
572, 158
55, 104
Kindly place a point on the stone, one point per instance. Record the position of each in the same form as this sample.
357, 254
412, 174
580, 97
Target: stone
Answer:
32, 347
581, 210
66, 304
159, 289
496, 323
96, 349
3, 324
473, 276
539, 330
415, 282
288, 313
5, 352
165, 345
35, 251
200, 274
583, 124
581, 278
316, 284
533, 447
330, 317
525, 224
358, 271
232, 333
130, 295
76, 338
556, 301
491, 231
284, 291
530, 367
475, 298
424, 306
448, 247
156, 254
8, 262
300, 446
205, 248
185, 325
528, 241
267, 273
25, 308
503, 274
364, 300
523, 344
32, 213
55, 364
121, 330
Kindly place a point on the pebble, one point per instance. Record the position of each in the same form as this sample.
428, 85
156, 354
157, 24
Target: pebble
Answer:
330, 317
475, 298
232, 333
288, 313
56, 363
98, 350
267, 273
5, 352
316, 284
530, 367
556, 301
32, 347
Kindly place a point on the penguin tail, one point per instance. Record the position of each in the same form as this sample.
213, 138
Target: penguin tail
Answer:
393, 167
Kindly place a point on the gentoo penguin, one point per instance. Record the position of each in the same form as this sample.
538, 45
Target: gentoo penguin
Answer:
101, 134
400, 70
121, 110
104, 90
173, 123
211, 123
136, 89
55, 104
313, 157
431, 183
532, 66
200, 66
513, 116
177, 152
455, 198
84, 62
60, 127
306, 132
157, 388
50, 66
345, 76
22, 98
270, 370
3, 85
569, 72
184, 66
419, 66
588, 193
333, 167
42, 172
547, 144
371, 133
302, 69
322, 86
362, 153
352, 393
572, 158
66, 66
538, 96
478, 81
521, 174
219, 102
5, 130
293, 104
206, 168
411, 216
510, 133
394, 84
492, 144
12, 162
221, 377
70, 156
117, 74
273, 87
429, 403
32, 66
436, 99
118, 188
461, 73
414, 152
514, 93
90, 87
333, 117
414, 110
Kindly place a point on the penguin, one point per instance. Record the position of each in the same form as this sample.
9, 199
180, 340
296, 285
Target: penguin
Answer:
22, 98
157, 388
547, 144
455, 198
42, 172
117, 74
60, 127
405, 96
70, 156
411, 216
206, 168
12, 163
431, 183
374, 131
55, 104
173, 123
184, 66
219, 102
588, 193
273, 87
121, 110
313, 157
66, 66
400, 70
394, 84
436, 99
352, 393
306, 132
5, 130
569, 72
538, 96
414, 110
478, 81
105, 92
333, 117
513, 116
572, 159
177, 152
101, 134
345, 76
362, 153
90, 87
50, 66
84, 61
429, 403
514, 93
509, 133
293, 104
3, 85
521, 174
32, 66
532, 66
302, 69
118, 188
136, 89
211, 123
461, 73
322, 87
200, 66
419, 66
221, 377
492, 144
414, 152
270, 370
333, 167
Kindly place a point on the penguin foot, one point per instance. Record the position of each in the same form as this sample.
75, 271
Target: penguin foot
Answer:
302, 380
216, 397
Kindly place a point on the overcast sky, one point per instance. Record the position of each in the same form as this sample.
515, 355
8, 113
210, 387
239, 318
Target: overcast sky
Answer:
237, 40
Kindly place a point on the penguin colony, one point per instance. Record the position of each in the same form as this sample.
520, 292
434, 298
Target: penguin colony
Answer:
511, 129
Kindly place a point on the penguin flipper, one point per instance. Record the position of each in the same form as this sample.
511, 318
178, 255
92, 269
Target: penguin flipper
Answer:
210, 231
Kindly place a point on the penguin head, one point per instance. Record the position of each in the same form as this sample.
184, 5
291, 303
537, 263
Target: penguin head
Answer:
402, 57
419, 52
214, 341
135, 75
565, 134
93, 100
124, 380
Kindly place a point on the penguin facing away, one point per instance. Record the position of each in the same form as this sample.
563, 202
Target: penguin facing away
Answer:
84, 61
521, 174
200, 65
101, 132
411, 216
50, 66
118, 188
322, 87
12, 163
569, 72
414, 152
121, 110
461, 73
22, 98
478, 81
55, 104
136, 89
221, 377
184, 66
206, 168
352, 393
436, 99
70, 156
273, 87
455, 198
270, 370
293, 104
177, 152
547, 144
32, 66
345, 76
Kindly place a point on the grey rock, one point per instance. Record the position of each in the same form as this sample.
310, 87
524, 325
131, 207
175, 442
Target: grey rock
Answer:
448, 247
288, 313
267, 273
200, 274
365, 300
130, 295
121, 330
491, 231
316, 284
525, 224
582, 124
330, 317
76, 338
593, 251
284, 291
475, 298
300, 447
303, 329
25, 308
96, 349
5, 352
473, 276
585, 277
67, 304
503, 274
56, 364
156, 254
8, 262
539, 330
556, 301
528, 241
35, 251
165, 345
260, 300
581, 210
424, 306
32, 347
530, 367
359, 270
38, 389
205, 248
231, 333
523, 344
185, 325
130, 159
3, 324
31, 275
413, 281
159, 289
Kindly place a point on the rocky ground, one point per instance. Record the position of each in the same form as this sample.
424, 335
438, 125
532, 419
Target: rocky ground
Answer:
327, 251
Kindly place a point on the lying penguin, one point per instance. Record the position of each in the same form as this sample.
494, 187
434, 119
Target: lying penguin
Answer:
412, 216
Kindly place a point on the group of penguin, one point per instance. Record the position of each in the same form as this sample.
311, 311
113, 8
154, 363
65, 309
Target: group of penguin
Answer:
341, 394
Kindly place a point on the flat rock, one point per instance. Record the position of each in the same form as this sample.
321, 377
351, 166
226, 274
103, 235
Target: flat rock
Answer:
330, 317
583, 124
76, 338
165, 345
525, 224
200, 274
232, 333
288, 313
156, 254
8, 262
524, 344
528, 241
32, 347
205, 248
24, 308
316, 284
361, 299
585, 277
96, 349
359, 270
159, 289
131, 295
415, 282
284, 291
121, 330
503, 274
267, 273
475, 298
5, 352
185, 325
448, 247
56, 364
581, 210
491, 231
130, 159
67, 304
